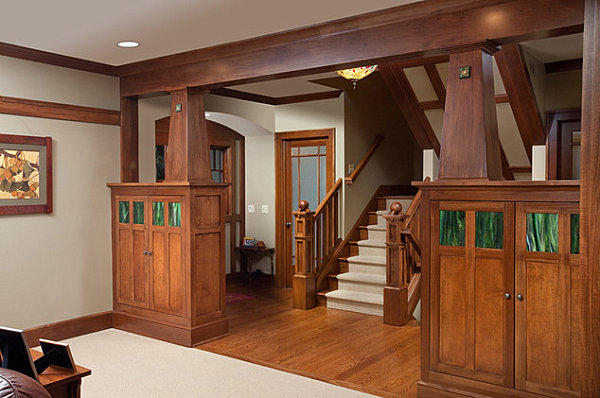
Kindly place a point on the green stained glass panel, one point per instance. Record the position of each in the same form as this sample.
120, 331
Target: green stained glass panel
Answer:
574, 233
489, 228
174, 214
158, 214
452, 228
138, 212
542, 232
124, 212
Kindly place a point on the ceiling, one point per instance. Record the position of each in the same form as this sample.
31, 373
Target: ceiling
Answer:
556, 49
90, 29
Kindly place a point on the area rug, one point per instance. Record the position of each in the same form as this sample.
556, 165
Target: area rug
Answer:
231, 298
132, 366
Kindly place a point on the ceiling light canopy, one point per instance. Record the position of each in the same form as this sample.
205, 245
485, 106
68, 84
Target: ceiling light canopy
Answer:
128, 44
355, 74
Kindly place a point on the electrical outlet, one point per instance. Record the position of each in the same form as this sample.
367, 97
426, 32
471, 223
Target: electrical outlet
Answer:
250, 208
350, 168
264, 209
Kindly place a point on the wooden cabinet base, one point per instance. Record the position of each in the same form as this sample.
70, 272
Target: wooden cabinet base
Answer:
395, 305
305, 295
182, 335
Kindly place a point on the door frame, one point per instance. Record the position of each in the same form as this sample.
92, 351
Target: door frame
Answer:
280, 157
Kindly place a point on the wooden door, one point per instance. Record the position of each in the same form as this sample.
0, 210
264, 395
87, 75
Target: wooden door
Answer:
165, 254
472, 283
130, 250
547, 282
564, 146
304, 171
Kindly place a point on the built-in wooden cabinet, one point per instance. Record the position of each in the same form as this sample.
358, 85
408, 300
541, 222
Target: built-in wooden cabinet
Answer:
169, 260
500, 302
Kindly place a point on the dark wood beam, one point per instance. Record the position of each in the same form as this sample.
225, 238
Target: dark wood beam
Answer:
589, 274
405, 97
383, 36
520, 169
436, 82
500, 99
521, 96
564, 66
264, 99
422, 61
506, 169
129, 140
30, 54
54, 110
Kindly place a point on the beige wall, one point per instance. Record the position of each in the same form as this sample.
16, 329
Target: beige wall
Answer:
58, 266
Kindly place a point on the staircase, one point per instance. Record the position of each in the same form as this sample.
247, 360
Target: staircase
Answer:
359, 284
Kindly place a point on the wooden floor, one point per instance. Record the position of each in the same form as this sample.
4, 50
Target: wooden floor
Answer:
339, 347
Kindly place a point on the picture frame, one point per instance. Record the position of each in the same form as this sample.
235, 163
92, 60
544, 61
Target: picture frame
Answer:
25, 174
249, 242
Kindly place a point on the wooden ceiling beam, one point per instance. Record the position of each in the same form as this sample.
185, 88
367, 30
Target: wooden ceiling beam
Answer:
436, 81
405, 97
564, 66
521, 96
426, 105
385, 36
265, 99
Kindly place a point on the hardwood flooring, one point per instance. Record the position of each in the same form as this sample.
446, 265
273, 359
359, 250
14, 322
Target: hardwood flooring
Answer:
344, 348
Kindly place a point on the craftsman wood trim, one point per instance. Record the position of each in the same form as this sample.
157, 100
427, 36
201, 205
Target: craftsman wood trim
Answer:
129, 140
436, 82
522, 98
69, 328
407, 101
30, 54
502, 99
55, 110
559, 148
564, 66
520, 169
382, 36
264, 99
590, 211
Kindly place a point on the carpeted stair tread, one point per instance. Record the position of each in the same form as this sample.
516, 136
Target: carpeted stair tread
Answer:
359, 277
376, 227
359, 297
367, 260
371, 243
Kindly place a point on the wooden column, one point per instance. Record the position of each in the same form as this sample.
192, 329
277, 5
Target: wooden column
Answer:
395, 293
189, 149
470, 145
590, 191
305, 295
129, 140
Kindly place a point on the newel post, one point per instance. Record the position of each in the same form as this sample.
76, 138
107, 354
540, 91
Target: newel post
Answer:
305, 295
395, 293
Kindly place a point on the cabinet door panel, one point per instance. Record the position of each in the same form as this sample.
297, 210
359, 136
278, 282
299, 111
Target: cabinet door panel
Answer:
126, 265
160, 272
176, 273
140, 273
453, 311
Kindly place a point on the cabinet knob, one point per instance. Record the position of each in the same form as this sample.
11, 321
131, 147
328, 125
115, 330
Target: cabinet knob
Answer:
145, 252
519, 297
507, 296
149, 253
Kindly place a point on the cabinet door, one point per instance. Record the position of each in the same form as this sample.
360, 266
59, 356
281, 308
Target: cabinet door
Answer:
472, 271
547, 248
131, 273
166, 259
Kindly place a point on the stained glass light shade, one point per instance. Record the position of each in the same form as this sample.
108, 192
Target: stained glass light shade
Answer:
355, 74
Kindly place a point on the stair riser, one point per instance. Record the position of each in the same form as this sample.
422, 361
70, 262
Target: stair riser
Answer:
371, 251
373, 219
376, 235
333, 284
364, 308
364, 234
366, 268
360, 287
353, 250
343, 266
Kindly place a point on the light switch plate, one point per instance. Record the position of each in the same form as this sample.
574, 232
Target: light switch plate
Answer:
264, 209
250, 208
350, 168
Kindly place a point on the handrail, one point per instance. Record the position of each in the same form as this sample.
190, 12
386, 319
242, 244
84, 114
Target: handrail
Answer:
328, 197
414, 241
412, 209
365, 159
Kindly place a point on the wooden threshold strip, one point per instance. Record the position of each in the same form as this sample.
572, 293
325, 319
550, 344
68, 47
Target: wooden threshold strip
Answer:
54, 110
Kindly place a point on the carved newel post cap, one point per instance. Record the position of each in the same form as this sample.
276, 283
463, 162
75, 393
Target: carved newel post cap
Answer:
396, 208
303, 206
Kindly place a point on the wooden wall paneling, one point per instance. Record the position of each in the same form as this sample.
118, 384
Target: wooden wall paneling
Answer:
590, 191
515, 77
54, 110
30, 54
189, 149
380, 36
405, 97
129, 140
470, 118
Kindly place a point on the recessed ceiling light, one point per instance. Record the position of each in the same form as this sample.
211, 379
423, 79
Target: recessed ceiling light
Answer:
128, 44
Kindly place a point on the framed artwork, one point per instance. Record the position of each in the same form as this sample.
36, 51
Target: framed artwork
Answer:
249, 242
25, 174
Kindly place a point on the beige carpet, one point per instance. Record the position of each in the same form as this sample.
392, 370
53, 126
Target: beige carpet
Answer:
128, 365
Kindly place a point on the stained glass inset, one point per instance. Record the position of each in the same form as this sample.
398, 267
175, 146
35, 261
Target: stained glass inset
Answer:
174, 214
138, 212
489, 229
124, 212
158, 214
542, 232
452, 228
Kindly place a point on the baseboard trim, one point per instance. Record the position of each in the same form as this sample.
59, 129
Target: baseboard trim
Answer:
69, 328
182, 335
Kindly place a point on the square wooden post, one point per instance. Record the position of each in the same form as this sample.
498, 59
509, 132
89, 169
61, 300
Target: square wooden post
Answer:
395, 293
304, 284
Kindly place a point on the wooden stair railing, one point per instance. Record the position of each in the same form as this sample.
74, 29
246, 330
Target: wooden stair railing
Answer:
403, 272
317, 240
361, 165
